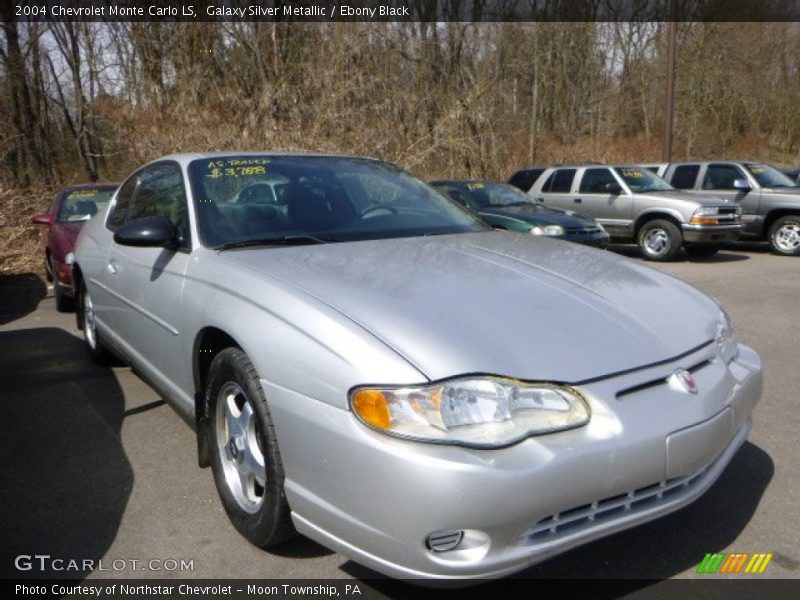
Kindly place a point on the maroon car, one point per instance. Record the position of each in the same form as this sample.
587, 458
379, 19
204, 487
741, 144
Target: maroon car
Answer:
74, 205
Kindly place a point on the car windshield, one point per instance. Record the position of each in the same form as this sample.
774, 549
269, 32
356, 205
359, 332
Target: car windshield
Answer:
768, 177
252, 200
642, 180
83, 204
489, 195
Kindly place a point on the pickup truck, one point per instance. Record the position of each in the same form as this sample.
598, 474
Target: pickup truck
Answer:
769, 199
633, 204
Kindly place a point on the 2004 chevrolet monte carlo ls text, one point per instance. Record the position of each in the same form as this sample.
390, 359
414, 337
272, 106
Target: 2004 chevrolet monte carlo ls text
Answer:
369, 365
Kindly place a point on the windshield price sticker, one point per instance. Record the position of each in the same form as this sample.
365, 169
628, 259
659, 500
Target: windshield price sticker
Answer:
81, 194
237, 167
632, 173
476, 186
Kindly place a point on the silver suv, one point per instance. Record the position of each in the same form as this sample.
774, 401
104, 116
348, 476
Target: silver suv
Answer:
769, 199
633, 204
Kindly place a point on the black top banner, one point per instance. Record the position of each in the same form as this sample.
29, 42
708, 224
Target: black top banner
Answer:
405, 10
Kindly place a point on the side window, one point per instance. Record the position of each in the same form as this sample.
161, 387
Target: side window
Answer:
721, 177
560, 181
525, 178
685, 176
117, 218
161, 192
594, 181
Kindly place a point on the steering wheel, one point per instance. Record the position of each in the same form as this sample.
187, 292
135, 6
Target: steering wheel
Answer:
377, 207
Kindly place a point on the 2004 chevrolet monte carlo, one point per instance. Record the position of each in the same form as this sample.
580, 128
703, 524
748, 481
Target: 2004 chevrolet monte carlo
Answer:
369, 365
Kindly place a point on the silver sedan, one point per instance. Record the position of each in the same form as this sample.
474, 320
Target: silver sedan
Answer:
369, 365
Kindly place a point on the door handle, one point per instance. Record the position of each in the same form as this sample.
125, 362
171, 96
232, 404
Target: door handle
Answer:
539, 199
111, 265
578, 200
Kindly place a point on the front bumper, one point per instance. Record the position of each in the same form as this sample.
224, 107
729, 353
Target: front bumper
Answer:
376, 499
710, 234
63, 278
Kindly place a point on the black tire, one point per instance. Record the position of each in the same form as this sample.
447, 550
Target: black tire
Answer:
64, 303
94, 345
703, 251
48, 269
659, 240
784, 236
258, 511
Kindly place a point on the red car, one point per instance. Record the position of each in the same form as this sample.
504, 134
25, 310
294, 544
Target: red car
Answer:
74, 205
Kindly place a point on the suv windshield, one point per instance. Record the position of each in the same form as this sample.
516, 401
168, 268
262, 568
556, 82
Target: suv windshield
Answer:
768, 177
310, 199
487, 195
642, 180
83, 204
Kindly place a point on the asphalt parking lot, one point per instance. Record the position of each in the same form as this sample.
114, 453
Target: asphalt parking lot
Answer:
97, 466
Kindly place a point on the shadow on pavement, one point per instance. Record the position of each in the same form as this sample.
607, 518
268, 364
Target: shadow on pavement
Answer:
723, 256
653, 551
65, 479
20, 295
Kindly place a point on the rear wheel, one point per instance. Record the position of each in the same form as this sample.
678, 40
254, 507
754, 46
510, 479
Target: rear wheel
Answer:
245, 458
784, 236
660, 240
703, 251
86, 320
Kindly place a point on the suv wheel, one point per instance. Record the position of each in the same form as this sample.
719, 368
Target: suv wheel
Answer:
784, 236
245, 458
660, 240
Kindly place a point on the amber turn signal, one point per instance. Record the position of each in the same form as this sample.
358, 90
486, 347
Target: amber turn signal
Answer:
373, 408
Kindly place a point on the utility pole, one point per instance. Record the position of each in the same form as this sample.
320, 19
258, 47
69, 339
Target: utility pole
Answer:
669, 104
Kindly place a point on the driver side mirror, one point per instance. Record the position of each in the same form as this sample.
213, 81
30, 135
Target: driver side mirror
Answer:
41, 219
614, 189
741, 184
149, 232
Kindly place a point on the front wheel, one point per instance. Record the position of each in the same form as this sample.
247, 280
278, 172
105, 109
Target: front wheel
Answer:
784, 236
660, 240
245, 459
86, 320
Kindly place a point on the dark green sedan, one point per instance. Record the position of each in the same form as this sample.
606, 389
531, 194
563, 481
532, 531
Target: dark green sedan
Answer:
504, 206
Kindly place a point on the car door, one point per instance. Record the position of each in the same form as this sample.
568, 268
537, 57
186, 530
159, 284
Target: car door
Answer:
147, 283
557, 189
596, 196
718, 180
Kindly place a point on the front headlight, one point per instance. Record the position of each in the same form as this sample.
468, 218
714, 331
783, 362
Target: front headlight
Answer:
69, 258
471, 411
705, 216
726, 342
548, 230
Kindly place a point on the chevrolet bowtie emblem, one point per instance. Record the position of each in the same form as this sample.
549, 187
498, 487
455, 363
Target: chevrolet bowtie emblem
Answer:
683, 381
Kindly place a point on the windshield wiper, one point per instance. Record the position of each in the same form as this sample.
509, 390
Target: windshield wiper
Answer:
289, 240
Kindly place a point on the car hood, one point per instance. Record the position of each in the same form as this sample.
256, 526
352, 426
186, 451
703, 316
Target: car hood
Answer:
499, 303
702, 199
538, 214
793, 193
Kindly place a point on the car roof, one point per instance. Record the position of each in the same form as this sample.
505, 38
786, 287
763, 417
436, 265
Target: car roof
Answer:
89, 186
185, 158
